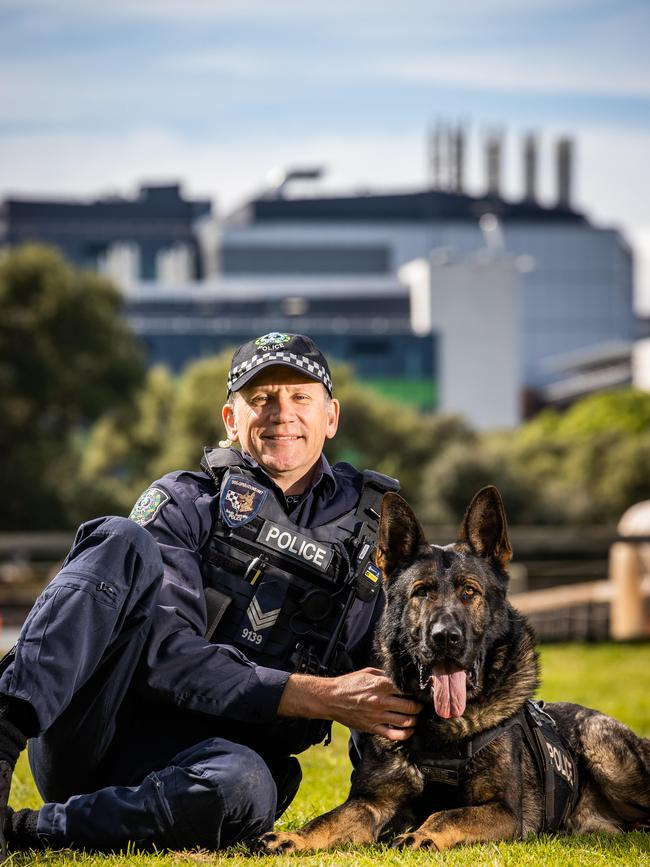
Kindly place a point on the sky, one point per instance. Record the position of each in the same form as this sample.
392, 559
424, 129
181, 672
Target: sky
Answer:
98, 97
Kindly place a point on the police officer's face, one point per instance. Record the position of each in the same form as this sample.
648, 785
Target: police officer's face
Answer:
282, 419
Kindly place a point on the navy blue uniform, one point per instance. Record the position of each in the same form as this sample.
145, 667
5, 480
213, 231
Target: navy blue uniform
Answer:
173, 737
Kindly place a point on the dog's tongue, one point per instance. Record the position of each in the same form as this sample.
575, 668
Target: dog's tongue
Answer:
450, 694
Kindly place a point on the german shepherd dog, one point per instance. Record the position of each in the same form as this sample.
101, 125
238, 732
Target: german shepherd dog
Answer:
450, 639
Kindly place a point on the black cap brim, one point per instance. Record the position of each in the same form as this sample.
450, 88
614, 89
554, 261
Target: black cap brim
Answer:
247, 377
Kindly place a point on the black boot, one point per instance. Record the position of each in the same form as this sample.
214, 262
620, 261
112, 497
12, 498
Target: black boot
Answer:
20, 830
12, 743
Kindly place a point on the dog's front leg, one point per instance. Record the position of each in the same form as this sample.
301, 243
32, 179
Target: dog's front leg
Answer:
358, 820
464, 825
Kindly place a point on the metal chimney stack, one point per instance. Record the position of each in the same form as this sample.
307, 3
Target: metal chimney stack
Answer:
493, 145
530, 168
564, 155
434, 157
459, 160
447, 157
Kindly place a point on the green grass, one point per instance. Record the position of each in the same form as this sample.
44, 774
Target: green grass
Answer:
613, 678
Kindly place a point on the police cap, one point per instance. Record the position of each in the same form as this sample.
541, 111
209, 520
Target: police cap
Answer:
276, 348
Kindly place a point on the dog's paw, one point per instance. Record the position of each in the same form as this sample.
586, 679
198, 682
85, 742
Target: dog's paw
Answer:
414, 840
276, 842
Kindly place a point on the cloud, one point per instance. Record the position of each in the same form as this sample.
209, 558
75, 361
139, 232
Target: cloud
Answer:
516, 70
221, 9
239, 64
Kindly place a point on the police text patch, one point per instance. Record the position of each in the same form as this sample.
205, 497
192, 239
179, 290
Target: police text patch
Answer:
286, 541
241, 500
148, 506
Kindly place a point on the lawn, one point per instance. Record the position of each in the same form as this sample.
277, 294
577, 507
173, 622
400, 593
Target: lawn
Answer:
613, 678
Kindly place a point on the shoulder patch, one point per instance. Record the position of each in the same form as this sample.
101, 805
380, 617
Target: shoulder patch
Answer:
148, 505
241, 500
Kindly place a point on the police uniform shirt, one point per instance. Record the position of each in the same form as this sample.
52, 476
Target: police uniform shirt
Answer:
181, 667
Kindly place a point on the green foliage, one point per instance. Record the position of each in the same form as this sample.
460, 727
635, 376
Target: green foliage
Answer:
118, 458
384, 435
586, 465
617, 413
172, 419
65, 355
196, 420
450, 481
589, 464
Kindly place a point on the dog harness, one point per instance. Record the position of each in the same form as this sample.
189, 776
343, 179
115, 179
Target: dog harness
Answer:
279, 592
555, 763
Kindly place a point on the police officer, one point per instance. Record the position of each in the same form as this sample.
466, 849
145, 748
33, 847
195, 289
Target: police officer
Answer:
169, 672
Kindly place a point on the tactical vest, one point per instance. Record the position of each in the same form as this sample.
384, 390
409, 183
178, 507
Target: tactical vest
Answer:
279, 592
554, 761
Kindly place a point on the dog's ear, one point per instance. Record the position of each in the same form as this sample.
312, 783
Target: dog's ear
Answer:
400, 535
485, 528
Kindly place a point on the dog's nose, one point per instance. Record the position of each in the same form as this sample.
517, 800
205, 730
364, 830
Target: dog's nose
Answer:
446, 635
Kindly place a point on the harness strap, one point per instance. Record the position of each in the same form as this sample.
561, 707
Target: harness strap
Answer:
531, 719
214, 461
368, 511
375, 485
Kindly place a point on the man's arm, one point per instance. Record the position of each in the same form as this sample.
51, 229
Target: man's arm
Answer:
364, 700
180, 666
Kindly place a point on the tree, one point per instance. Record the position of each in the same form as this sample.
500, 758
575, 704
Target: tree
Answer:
586, 465
66, 354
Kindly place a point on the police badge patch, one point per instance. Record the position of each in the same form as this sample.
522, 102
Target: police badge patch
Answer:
272, 341
148, 506
241, 500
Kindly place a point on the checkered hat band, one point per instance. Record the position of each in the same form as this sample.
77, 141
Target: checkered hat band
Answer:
290, 358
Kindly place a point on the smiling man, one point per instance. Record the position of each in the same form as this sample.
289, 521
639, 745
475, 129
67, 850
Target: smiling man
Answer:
281, 412
171, 671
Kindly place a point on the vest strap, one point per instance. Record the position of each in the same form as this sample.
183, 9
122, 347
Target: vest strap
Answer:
216, 604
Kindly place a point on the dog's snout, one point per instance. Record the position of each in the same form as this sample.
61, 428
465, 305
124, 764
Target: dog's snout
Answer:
446, 635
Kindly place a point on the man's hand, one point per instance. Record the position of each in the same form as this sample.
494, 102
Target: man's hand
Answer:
365, 700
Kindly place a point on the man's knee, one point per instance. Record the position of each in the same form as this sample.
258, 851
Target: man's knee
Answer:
116, 550
226, 780
256, 787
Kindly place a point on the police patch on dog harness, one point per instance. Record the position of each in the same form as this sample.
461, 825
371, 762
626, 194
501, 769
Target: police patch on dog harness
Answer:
241, 500
554, 761
148, 505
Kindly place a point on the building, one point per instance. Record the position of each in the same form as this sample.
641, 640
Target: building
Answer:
472, 304
150, 237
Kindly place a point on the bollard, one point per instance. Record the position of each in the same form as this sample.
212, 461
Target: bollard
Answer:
627, 615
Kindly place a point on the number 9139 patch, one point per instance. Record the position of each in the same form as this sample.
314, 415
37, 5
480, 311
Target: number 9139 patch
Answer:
262, 614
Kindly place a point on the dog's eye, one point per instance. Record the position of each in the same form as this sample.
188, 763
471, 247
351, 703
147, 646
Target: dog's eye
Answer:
469, 592
422, 590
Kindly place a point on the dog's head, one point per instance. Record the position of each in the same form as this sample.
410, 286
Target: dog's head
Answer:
445, 605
